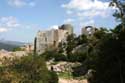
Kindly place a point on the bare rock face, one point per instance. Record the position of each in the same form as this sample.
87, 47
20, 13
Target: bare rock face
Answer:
62, 66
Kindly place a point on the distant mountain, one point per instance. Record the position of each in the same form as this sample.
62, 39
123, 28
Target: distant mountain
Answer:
10, 45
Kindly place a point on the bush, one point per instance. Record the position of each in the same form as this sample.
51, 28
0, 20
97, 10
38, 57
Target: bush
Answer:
77, 57
53, 77
60, 57
18, 49
79, 71
28, 69
48, 55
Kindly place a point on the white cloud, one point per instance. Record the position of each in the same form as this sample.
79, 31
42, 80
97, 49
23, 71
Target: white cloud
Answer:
21, 3
86, 4
90, 8
93, 13
86, 12
54, 27
3, 29
8, 23
69, 20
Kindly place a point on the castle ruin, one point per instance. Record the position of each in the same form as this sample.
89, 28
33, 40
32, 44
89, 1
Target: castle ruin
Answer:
88, 30
50, 39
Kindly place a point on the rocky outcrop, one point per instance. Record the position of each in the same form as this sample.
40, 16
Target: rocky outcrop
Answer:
71, 81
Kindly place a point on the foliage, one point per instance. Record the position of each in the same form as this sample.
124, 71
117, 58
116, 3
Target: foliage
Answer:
76, 57
18, 49
48, 55
109, 60
70, 44
81, 39
28, 69
53, 77
120, 11
72, 57
65, 75
60, 57
79, 71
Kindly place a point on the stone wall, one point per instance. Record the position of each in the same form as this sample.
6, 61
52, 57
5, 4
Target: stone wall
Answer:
50, 39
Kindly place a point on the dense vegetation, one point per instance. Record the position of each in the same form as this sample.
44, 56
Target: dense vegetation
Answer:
28, 69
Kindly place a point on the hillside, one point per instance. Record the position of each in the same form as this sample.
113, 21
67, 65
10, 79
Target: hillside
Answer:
9, 45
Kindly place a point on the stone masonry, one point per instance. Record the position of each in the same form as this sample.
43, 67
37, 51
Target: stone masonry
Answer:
50, 39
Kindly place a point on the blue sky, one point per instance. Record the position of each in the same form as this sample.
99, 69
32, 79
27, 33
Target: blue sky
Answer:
21, 19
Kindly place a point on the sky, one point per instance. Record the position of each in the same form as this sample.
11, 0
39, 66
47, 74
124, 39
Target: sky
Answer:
21, 19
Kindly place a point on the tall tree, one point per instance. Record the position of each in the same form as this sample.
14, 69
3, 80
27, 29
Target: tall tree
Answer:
120, 11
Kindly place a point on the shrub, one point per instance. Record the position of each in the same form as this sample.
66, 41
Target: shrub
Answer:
28, 69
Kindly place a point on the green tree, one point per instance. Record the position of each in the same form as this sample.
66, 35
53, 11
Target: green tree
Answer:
70, 43
120, 11
53, 77
109, 61
81, 39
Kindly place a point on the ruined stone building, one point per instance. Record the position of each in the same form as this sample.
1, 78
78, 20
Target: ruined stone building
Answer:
67, 27
88, 30
27, 48
50, 39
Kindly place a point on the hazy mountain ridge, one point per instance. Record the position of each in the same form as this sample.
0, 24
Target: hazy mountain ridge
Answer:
10, 45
